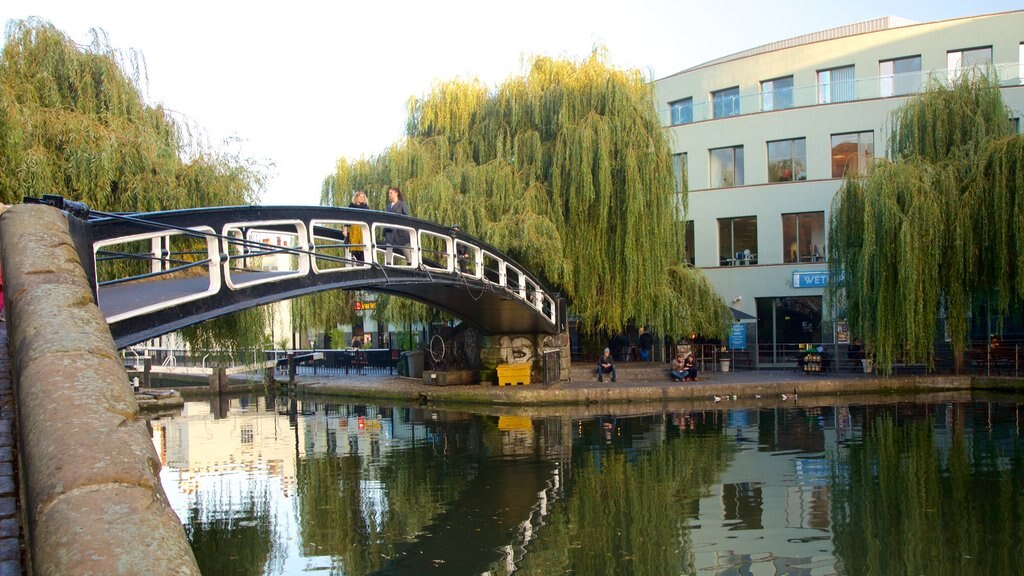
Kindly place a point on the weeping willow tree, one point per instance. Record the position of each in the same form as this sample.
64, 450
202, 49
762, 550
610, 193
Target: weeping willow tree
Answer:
73, 122
567, 169
935, 229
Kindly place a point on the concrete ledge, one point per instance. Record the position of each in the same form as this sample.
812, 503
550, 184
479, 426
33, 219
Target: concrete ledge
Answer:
94, 504
624, 393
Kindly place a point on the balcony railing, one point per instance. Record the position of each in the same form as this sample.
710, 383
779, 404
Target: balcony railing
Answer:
863, 88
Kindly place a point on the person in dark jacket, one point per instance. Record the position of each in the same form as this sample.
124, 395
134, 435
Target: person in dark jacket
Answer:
606, 365
394, 237
645, 342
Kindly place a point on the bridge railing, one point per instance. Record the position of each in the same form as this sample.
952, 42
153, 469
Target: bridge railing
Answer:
244, 247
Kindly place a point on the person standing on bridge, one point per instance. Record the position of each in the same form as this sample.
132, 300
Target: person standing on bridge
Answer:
395, 237
355, 232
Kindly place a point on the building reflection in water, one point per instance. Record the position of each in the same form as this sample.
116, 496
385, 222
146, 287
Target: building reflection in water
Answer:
285, 486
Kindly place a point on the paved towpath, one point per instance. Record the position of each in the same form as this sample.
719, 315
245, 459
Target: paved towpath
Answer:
645, 384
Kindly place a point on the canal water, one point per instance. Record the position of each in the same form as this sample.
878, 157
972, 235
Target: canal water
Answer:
293, 486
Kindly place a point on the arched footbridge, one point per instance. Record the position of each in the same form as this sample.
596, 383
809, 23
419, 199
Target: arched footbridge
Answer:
154, 273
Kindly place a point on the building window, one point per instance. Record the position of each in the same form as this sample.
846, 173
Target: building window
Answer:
689, 243
726, 167
679, 169
787, 160
899, 76
737, 241
852, 153
835, 85
682, 111
969, 60
803, 237
777, 94
726, 102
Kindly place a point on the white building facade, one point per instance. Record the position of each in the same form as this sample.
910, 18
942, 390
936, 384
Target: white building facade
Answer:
766, 135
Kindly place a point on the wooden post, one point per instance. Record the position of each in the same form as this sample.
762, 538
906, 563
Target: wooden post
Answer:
147, 363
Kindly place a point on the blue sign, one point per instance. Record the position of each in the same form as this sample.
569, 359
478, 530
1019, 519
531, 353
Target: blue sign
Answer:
738, 337
817, 279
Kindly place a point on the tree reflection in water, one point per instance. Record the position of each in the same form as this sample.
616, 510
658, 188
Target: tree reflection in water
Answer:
909, 506
867, 489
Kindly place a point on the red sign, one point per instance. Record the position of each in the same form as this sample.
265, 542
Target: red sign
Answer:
365, 305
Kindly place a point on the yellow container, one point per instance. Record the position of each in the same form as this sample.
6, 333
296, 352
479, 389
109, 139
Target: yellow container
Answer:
513, 374
515, 423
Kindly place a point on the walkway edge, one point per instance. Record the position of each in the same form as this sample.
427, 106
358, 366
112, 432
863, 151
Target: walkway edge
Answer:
79, 428
562, 394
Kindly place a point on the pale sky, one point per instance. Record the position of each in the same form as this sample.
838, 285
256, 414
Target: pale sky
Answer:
302, 83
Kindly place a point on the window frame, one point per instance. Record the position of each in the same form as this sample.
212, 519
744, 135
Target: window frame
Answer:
795, 175
953, 73
731, 257
828, 89
868, 158
689, 255
813, 253
680, 171
737, 167
892, 79
679, 105
730, 101
768, 104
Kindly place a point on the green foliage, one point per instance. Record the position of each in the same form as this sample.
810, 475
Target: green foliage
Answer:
234, 333
323, 311
73, 123
568, 170
899, 487
937, 228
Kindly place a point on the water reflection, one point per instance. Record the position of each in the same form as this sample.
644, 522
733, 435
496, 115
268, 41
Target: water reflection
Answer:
266, 486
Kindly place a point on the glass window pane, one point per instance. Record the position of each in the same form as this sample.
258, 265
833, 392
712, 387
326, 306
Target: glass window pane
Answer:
737, 241
787, 160
865, 152
689, 243
800, 159
726, 102
726, 168
836, 85
679, 169
777, 94
886, 85
790, 245
780, 161
738, 180
725, 251
959, 61
745, 238
682, 111
803, 237
844, 149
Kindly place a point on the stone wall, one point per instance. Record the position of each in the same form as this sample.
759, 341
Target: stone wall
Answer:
525, 348
93, 499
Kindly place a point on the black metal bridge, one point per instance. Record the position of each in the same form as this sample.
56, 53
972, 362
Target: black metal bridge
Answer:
158, 272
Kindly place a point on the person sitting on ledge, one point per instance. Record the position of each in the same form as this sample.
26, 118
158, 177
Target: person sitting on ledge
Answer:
690, 368
677, 371
605, 365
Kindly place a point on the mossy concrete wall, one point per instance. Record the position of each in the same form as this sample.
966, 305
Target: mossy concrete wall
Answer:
93, 499
526, 348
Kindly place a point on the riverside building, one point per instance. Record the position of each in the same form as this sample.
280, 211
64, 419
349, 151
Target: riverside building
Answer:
765, 136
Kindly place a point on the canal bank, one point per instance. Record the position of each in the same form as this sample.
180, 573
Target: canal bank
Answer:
646, 385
